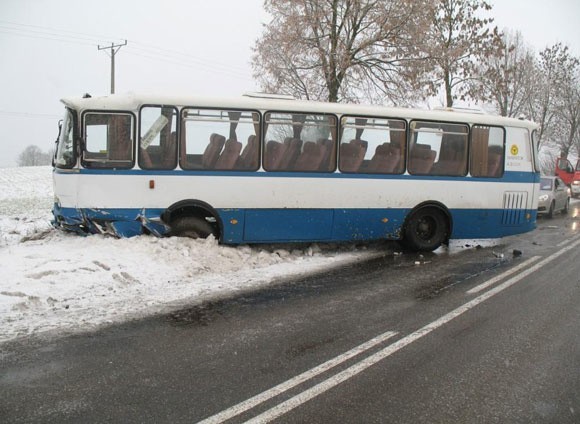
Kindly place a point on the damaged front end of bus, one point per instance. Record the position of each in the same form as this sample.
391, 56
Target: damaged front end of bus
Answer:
115, 223
75, 182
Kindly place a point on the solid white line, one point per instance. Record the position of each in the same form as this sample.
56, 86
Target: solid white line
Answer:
494, 280
293, 382
350, 372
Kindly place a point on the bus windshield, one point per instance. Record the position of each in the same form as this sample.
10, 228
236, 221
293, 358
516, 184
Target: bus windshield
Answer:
65, 157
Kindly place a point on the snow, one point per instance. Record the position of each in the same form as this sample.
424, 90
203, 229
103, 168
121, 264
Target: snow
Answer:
53, 282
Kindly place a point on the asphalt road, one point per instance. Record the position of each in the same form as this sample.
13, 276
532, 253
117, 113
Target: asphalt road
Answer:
474, 336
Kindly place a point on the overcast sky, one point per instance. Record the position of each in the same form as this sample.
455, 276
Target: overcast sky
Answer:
48, 50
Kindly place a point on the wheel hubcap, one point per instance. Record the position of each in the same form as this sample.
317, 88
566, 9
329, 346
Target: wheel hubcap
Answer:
426, 228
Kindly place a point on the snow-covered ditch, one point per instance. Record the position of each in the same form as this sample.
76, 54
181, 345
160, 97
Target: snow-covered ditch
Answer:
58, 282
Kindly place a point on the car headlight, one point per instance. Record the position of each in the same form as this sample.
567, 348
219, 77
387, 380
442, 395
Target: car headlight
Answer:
543, 197
575, 182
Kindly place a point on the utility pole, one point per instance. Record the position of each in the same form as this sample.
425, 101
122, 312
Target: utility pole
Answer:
114, 49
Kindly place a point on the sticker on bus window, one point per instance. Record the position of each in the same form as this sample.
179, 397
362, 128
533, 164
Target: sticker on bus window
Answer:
152, 132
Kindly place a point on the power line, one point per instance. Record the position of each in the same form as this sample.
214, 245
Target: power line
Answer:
154, 52
191, 65
29, 114
180, 55
38, 37
136, 48
60, 32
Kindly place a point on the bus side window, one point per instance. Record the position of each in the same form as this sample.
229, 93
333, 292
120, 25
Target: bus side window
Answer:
381, 152
438, 148
299, 142
108, 140
158, 137
487, 151
204, 144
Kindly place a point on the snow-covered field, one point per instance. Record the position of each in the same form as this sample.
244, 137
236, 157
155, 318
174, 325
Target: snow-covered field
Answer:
58, 282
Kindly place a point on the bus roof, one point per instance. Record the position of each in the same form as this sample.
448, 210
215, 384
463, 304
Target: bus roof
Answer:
133, 101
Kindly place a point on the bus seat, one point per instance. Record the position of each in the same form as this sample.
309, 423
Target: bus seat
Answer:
249, 157
452, 156
362, 147
385, 159
230, 155
327, 148
273, 155
422, 158
293, 147
212, 151
145, 158
352, 155
310, 158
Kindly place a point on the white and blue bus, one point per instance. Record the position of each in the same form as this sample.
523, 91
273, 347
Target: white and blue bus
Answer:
263, 169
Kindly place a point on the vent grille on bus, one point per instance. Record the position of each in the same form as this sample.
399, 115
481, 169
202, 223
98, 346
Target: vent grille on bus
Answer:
514, 207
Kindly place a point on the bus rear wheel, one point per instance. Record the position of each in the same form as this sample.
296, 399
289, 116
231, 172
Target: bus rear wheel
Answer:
192, 227
426, 229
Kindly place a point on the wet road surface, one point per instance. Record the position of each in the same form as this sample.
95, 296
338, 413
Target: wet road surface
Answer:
472, 335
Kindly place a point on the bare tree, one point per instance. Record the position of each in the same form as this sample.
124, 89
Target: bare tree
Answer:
568, 109
507, 77
338, 50
33, 156
555, 68
458, 38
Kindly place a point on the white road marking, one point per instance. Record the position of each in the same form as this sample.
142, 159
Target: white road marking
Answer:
562, 243
500, 277
358, 367
293, 382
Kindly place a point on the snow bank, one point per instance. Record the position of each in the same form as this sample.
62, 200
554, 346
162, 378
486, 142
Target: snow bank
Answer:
52, 281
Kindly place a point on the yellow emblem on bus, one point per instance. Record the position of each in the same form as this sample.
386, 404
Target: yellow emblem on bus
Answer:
514, 150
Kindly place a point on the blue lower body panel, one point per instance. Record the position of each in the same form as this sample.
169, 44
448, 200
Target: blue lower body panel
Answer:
298, 225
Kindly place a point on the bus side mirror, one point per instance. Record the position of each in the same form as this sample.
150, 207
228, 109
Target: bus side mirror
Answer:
56, 142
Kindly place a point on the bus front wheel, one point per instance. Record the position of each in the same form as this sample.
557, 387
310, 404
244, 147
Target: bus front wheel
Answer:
426, 229
192, 227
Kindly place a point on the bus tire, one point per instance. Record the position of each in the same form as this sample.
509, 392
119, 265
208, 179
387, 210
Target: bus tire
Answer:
192, 227
426, 229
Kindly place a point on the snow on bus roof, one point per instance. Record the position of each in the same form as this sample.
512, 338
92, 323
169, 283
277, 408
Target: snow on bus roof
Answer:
133, 101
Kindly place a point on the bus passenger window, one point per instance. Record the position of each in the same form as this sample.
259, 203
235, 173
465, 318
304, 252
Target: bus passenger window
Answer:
299, 142
158, 137
108, 140
487, 151
438, 148
381, 152
219, 139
